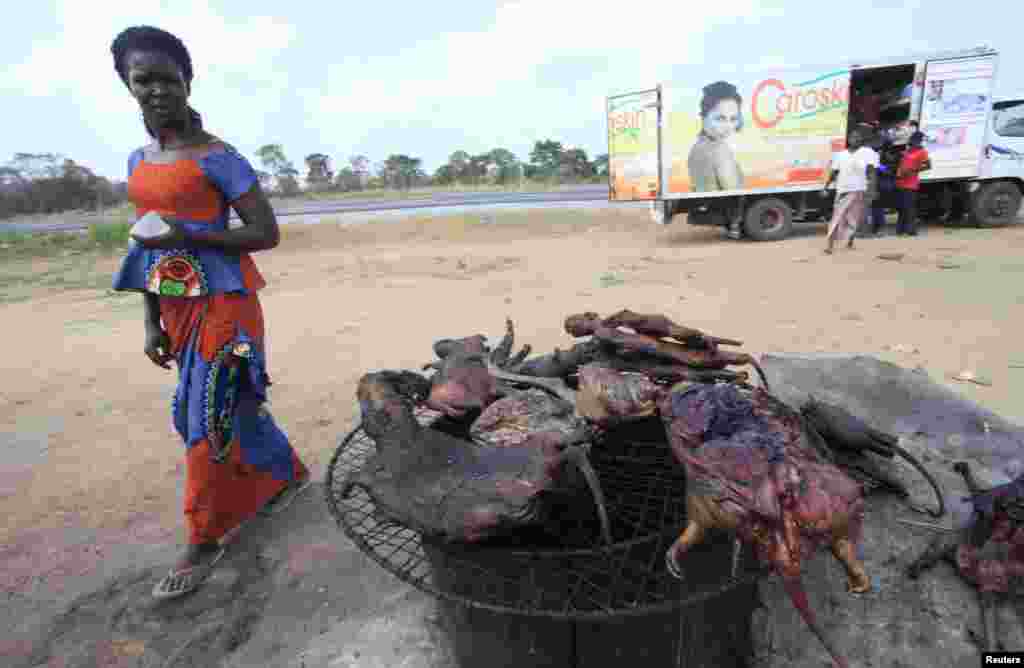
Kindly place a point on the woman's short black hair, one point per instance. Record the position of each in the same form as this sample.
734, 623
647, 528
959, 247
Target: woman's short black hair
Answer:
148, 38
715, 93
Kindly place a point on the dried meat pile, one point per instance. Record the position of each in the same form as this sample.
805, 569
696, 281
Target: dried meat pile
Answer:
519, 430
519, 427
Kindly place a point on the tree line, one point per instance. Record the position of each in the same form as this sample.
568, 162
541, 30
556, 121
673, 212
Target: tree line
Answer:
38, 183
32, 183
549, 162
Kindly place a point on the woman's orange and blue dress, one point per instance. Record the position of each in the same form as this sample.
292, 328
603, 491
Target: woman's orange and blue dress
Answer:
237, 457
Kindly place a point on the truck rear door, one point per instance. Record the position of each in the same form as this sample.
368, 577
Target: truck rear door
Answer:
955, 109
634, 120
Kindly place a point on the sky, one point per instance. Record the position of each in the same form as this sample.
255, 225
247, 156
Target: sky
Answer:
429, 78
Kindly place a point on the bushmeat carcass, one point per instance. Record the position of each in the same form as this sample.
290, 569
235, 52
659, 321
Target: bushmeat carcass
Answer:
455, 488
989, 552
754, 474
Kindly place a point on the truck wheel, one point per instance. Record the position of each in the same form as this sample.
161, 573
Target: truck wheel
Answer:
768, 219
995, 204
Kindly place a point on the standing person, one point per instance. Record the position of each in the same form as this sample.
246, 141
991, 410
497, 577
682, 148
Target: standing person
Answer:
202, 312
886, 185
874, 210
910, 128
854, 172
908, 181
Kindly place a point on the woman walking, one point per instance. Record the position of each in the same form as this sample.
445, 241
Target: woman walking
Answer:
202, 311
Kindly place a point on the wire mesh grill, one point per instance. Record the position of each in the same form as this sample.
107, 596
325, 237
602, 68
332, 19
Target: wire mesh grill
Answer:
562, 568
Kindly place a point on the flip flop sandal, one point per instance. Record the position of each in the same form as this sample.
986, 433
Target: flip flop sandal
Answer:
285, 497
186, 580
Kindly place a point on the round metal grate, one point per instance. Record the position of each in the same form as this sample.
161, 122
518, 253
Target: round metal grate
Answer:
564, 571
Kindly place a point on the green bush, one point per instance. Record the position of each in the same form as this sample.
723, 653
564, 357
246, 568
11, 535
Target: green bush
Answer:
103, 237
109, 235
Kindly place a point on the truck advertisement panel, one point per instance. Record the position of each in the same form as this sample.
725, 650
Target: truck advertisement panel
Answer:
633, 146
954, 114
751, 132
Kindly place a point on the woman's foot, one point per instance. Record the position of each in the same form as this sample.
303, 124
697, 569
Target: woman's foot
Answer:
197, 554
190, 571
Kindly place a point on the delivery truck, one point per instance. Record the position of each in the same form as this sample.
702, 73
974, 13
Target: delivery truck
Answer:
751, 151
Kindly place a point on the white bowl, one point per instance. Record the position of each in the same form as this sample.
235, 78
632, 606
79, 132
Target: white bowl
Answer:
150, 226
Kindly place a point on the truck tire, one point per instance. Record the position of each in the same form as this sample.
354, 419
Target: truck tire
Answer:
995, 204
769, 219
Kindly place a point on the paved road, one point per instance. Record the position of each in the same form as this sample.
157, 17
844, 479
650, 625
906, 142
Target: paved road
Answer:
589, 193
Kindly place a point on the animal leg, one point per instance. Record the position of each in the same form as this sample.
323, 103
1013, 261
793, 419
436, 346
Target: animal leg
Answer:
500, 354
554, 386
964, 469
983, 524
940, 548
795, 589
692, 535
845, 552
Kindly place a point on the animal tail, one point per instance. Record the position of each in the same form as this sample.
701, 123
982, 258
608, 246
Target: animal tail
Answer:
578, 455
760, 374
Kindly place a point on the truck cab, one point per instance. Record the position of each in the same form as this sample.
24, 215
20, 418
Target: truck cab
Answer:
995, 199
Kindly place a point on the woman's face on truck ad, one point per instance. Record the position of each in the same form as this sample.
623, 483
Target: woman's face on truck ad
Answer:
723, 119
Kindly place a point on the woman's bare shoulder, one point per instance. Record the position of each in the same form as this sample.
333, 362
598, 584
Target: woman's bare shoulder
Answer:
701, 148
713, 151
148, 150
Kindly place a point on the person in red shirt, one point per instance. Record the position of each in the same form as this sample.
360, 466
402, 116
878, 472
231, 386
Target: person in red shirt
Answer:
908, 181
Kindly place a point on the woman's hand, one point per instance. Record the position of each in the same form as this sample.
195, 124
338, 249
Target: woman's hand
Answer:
158, 346
175, 238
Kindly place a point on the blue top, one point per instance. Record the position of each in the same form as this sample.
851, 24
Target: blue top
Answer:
195, 191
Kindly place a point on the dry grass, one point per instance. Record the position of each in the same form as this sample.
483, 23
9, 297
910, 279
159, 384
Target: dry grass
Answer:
38, 265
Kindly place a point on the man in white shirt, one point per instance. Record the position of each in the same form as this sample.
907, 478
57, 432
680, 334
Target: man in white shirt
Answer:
854, 172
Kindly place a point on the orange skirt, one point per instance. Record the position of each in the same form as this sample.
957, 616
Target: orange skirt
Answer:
237, 457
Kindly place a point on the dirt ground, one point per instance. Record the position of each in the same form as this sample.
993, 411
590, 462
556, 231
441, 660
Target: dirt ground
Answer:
85, 417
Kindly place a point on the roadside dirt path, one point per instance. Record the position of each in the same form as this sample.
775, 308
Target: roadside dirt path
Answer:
90, 483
